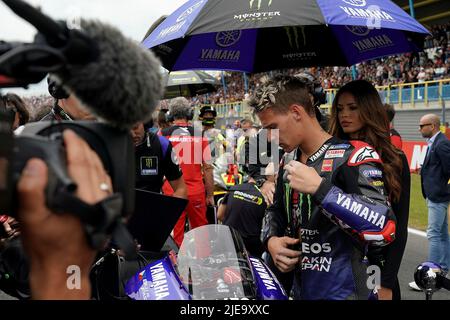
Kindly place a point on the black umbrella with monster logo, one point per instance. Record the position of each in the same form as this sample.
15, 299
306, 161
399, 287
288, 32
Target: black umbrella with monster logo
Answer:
261, 35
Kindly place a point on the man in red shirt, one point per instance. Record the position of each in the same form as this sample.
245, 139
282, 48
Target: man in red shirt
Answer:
396, 139
447, 131
192, 152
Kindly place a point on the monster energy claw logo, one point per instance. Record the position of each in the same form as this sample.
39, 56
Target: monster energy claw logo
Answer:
297, 39
259, 3
293, 37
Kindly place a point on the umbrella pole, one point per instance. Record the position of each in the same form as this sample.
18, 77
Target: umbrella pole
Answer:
411, 8
224, 89
353, 72
245, 82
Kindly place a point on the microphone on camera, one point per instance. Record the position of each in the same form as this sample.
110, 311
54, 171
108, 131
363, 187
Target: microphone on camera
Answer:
123, 85
113, 76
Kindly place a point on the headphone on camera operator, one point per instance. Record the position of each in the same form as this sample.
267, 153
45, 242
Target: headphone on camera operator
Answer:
66, 106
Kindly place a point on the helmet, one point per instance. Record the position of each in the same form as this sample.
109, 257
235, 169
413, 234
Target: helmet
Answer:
428, 276
206, 109
316, 88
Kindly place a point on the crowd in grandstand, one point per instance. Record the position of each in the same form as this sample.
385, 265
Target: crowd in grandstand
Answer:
431, 64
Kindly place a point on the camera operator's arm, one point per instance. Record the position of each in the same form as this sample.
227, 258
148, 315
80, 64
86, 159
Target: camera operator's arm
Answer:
209, 183
179, 188
208, 175
56, 241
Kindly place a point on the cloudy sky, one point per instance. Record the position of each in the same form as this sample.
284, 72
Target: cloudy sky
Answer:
132, 17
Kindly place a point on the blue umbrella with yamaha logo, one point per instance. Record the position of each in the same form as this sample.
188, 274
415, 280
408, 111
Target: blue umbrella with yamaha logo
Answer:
261, 35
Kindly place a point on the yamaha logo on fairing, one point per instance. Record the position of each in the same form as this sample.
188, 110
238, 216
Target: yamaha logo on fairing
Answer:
263, 274
159, 281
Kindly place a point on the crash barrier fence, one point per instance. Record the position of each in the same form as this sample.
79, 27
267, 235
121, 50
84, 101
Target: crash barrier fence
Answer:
400, 95
409, 94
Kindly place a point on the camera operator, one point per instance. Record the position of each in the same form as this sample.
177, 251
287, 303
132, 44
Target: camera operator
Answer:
54, 241
154, 156
66, 105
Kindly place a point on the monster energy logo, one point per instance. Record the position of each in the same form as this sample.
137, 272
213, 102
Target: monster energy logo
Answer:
259, 3
293, 36
148, 162
297, 39
257, 15
305, 215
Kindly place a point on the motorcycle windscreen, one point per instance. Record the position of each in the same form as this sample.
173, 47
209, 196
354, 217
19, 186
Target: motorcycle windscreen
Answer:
212, 264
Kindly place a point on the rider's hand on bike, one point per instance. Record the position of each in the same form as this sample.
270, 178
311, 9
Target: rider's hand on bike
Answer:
285, 259
56, 243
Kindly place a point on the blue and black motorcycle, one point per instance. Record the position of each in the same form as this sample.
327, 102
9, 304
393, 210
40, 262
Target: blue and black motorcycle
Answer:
211, 264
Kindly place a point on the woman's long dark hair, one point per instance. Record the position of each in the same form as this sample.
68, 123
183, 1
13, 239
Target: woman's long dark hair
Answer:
375, 131
19, 104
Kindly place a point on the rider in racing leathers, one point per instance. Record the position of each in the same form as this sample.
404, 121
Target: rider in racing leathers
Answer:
348, 211
339, 210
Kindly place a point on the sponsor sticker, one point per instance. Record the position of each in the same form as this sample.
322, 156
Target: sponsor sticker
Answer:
339, 146
327, 165
373, 173
378, 183
149, 166
363, 155
330, 154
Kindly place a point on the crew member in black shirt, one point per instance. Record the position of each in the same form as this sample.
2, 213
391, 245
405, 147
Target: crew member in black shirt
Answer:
156, 161
243, 209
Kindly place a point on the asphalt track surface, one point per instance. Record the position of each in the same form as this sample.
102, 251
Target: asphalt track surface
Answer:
415, 253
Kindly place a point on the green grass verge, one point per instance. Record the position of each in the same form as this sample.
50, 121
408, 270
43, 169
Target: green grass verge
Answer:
418, 212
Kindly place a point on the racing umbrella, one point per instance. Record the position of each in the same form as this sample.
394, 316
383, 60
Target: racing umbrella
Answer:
189, 83
261, 35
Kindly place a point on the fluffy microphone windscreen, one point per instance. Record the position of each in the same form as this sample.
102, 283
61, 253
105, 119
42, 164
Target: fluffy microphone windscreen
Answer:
123, 86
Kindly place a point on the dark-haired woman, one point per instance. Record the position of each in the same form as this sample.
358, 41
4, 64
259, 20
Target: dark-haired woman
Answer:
358, 114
